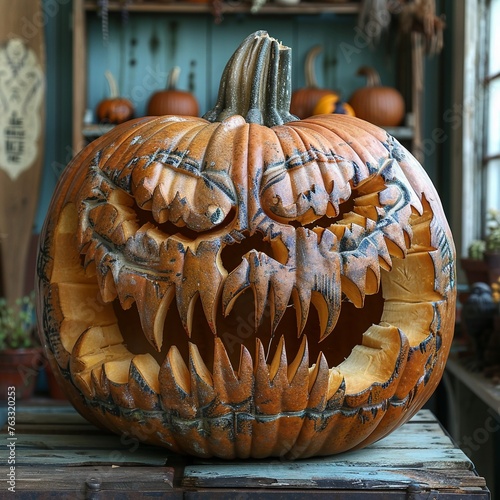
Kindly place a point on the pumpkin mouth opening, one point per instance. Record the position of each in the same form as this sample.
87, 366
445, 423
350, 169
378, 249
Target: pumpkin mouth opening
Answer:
361, 355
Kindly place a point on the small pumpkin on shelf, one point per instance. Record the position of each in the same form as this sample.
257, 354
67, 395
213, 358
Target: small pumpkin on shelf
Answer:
304, 99
114, 109
331, 103
377, 104
173, 101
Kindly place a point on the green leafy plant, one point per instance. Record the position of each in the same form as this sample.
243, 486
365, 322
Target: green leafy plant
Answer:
17, 323
492, 240
491, 243
476, 250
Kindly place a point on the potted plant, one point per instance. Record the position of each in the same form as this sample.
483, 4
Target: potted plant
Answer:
483, 256
20, 353
492, 241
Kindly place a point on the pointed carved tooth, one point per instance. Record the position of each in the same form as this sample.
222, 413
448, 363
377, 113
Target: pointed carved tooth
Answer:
259, 279
384, 257
301, 302
143, 381
299, 368
319, 376
153, 301
225, 380
267, 394
395, 240
328, 303
279, 362
198, 367
127, 287
175, 385
117, 374
336, 390
159, 207
203, 280
279, 299
186, 301
100, 383
245, 368
234, 285
360, 273
202, 386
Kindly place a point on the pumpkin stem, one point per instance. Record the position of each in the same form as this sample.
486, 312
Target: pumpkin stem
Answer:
113, 86
256, 83
372, 77
173, 77
310, 74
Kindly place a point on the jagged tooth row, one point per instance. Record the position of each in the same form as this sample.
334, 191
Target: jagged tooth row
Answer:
189, 391
269, 281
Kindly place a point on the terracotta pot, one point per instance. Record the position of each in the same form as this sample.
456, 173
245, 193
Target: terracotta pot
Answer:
492, 260
476, 271
19, 368
481, 271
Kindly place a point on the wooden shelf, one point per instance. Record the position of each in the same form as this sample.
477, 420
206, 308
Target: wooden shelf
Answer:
236, 7
94, 130
482, 387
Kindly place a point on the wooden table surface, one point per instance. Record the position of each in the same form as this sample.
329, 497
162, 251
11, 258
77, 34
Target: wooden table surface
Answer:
58, 454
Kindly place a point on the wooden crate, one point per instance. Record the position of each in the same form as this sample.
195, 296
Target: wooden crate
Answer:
58, 454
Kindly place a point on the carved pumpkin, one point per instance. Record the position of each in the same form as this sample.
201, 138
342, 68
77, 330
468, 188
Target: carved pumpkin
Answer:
172, 101
247, 285
331, 103
382, 106
114, 109
304, 99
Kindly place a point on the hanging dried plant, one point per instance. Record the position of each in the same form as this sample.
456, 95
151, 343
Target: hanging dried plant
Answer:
420, 16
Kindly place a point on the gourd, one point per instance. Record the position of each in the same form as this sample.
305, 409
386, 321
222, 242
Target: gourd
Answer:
172, 101
304, 99
114, 109
331, 103
247, 284
380, 105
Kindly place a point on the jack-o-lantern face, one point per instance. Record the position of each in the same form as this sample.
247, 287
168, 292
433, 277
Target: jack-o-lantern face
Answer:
181, 256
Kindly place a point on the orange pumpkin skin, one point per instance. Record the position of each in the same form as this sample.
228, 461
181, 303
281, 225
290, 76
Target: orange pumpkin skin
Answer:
382, 106
172, 101
116, 110
229, 223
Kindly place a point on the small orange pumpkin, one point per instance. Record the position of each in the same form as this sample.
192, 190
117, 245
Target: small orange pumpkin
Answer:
173, 101
246, 284
304, 100
114, 109
331, 103
382, 106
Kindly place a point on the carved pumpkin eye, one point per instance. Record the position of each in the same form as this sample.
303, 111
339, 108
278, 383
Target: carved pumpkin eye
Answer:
181, 257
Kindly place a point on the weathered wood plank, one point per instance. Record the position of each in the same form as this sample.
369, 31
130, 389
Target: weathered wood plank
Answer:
121, 456
73, 479
326, 475
423, 416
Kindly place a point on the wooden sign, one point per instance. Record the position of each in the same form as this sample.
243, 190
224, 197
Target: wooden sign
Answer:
22, 123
